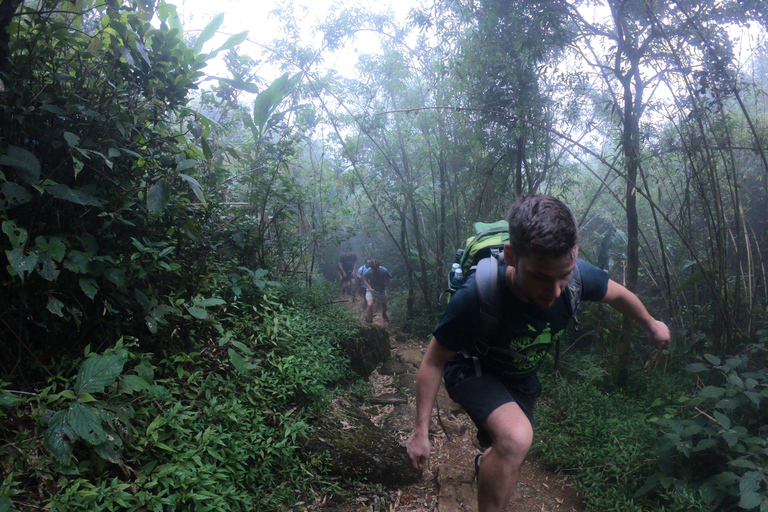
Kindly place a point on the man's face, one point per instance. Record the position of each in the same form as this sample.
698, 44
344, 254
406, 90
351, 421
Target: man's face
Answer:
540, 279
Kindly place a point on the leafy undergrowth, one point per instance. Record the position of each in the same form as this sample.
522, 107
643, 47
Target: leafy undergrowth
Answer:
220, 428
691, 440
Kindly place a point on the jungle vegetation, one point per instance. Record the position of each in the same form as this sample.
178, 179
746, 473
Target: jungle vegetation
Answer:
168, 236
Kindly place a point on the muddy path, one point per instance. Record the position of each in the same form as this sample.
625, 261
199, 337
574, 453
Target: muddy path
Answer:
448, 483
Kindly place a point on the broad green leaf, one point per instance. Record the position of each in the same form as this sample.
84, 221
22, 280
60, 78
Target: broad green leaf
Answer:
705, 444
697, 367
240, 85
208, 32
86, 423
195, 186
45, 267
22, 264
77, 262
145, 371
742, 463
206, 148
711, 392
158, 196
237, 360
117, 277
198, 312
722, 419
53, 109
233, 41
89, 287
72, 139
268, 99
73, 196
77, 165
205, 303
55, 306
55, 246
17, 235
26, 165
131, 383
58, 437
712, 359
249, 123
98, 372
159, 392
8, 399
125, 53
750, 500
12, 195
110, 448
185, 164
736, 381
750, 482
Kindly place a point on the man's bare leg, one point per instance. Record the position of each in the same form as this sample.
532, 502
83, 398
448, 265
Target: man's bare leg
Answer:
512, 436
369, 310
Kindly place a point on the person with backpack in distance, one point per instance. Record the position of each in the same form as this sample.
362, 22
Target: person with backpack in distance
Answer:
346, 271
377, 281
488, 345
359, 277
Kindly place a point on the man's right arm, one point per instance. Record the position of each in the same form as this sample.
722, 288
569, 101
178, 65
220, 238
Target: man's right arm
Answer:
427, 384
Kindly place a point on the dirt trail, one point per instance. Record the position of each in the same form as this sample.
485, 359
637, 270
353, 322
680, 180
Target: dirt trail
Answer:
448, 483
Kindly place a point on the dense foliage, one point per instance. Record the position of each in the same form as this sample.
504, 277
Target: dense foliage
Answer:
219, 428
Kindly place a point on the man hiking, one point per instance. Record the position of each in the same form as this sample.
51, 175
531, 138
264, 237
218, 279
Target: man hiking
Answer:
346, 271
359, 277
377, 285
493, 377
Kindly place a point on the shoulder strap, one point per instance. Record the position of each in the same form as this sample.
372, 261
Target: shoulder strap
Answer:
487, 284
573, 297
573, 291
488, 297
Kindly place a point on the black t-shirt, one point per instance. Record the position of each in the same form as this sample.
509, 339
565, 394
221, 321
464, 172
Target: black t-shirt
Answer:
348, 262
523, 328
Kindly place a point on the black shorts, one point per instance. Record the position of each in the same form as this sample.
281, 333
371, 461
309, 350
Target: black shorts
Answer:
347, 276
481, 395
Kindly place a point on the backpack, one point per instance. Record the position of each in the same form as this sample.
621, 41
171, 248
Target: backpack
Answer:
488, 240
481, 256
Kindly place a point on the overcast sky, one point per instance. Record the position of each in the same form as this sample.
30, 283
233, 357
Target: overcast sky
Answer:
254, 16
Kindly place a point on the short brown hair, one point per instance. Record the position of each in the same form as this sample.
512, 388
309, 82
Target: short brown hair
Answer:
541, 224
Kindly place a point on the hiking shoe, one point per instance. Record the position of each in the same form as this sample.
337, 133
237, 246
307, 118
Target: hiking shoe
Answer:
478, 458
384, 317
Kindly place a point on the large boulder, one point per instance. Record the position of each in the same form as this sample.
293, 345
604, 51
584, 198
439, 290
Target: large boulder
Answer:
359, 449
367, 350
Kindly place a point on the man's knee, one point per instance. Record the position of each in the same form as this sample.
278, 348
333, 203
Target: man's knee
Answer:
511, 431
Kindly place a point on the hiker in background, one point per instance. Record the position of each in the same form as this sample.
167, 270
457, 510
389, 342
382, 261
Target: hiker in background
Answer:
359, 277
493, 377
346, 271
377, 285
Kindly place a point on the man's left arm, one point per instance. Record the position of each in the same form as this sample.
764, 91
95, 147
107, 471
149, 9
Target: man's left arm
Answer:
628, 304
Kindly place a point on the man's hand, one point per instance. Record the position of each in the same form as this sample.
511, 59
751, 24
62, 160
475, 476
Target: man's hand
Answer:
419, 448
658, 335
